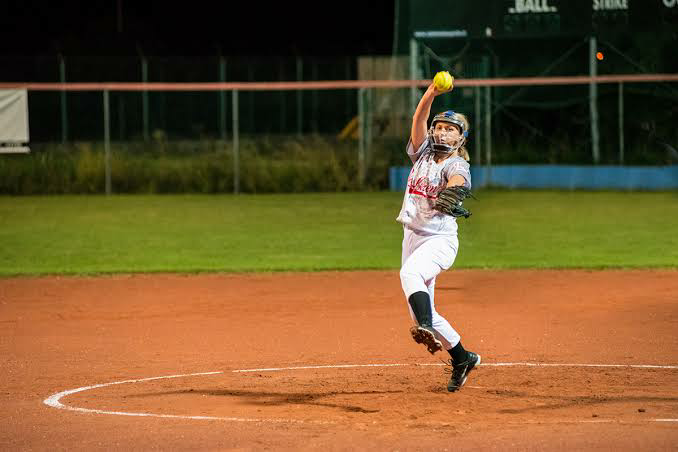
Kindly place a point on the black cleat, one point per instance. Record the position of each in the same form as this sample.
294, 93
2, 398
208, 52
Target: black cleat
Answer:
424, 335
460, 371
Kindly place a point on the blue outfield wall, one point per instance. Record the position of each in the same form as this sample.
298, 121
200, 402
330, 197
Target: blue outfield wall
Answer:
652, 178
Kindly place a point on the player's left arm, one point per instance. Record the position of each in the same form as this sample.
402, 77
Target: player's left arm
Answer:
458, 174
450, 199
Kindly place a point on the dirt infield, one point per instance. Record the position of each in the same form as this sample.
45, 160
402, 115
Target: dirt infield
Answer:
324, 360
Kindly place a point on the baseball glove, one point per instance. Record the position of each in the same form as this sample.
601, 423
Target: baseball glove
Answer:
450, 199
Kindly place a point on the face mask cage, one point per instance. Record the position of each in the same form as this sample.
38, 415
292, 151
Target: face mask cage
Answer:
438, 141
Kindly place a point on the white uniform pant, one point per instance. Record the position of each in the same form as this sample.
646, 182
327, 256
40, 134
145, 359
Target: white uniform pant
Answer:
424, 257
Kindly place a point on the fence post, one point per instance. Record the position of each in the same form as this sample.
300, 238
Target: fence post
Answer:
414, 61
478, 144
222, 99
593, 100
64, 110
236, 150
621, 123
314, 98
488, 134
107, 142
369, 107
347, 76
144, 96
300, 118
250, 101
283, 106
362, 120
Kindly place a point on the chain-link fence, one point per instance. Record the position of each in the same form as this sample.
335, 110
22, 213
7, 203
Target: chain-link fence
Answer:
72, 116
361, 128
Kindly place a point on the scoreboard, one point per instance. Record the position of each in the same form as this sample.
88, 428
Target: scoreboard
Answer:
538, 18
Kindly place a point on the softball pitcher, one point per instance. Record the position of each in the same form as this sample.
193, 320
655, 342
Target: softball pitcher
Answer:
439, 181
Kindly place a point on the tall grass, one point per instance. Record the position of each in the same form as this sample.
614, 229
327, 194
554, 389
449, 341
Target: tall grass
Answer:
266, 165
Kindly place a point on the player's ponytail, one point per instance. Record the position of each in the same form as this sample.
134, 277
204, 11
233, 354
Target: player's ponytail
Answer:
462, 151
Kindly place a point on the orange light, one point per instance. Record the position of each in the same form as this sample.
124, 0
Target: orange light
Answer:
600, 56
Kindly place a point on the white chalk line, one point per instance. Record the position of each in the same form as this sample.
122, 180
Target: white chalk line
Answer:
343, 366
55, 399
627, 366
55, 402
334, 366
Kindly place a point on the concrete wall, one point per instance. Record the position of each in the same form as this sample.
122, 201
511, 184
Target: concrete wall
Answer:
563, 177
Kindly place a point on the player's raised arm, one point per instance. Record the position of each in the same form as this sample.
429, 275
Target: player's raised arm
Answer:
421, 115
423, 111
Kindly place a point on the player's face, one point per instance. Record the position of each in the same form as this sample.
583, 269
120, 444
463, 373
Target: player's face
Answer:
447, 133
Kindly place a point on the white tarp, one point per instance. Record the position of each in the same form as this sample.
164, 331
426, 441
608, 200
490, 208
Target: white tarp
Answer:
13, 116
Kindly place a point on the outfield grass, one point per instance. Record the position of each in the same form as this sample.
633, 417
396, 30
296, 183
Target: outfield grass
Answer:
543, 229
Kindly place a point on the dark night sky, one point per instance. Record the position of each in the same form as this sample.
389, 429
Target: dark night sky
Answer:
31, 27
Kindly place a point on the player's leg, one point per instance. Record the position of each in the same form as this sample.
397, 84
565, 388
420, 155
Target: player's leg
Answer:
431, 288
416, 254
427, 257
411, 241
423, 332
462, 361
424, 258
443, 330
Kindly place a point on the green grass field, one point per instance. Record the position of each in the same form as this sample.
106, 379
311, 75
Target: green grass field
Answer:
192, 233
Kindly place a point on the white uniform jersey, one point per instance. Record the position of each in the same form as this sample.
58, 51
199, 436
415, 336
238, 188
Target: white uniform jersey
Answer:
426, 180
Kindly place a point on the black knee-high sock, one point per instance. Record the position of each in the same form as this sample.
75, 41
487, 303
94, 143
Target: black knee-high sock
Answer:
458, 354
421, 306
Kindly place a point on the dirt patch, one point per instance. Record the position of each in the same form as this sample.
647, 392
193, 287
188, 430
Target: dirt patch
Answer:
64, 332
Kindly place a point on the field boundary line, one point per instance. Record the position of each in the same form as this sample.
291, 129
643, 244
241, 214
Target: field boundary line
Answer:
54, 400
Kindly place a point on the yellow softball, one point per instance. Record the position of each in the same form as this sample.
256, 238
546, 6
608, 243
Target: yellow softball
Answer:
443, 81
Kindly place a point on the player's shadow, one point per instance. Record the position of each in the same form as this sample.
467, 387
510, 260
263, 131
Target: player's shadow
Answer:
265, 398
565, 401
